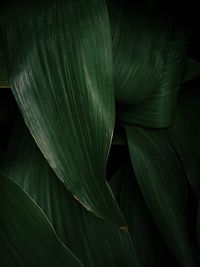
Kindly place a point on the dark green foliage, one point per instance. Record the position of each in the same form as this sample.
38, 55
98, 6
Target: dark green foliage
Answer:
27, 167
101, 168
22, 227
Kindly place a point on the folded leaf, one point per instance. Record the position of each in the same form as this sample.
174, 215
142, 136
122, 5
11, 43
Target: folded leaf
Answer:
139, 42
149, 54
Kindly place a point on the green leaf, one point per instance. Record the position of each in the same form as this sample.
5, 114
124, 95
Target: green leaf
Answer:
27, 239
163, 183
94, 241
60, 61
149, 54
134, 35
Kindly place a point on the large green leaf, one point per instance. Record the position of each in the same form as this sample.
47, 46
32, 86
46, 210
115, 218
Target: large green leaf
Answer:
149, 53
26, 237
163, 183
96, 242
60, 61
137, 43
192, 70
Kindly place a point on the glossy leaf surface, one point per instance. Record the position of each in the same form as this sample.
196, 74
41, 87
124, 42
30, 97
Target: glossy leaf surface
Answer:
61, 77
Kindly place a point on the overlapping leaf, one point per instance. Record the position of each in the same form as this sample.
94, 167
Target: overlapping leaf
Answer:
149, 55
60, 64
158, 109
94, 241
163, 183
61, 75
26, 237
137, 45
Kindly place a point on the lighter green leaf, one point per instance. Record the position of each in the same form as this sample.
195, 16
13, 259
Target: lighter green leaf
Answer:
60, 62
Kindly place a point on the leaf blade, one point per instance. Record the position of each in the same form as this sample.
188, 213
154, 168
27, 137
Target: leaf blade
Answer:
163, 184
24, 222
62, 82
99, 243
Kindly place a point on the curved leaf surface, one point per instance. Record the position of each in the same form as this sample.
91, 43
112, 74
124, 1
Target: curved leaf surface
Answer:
27, 239
163, 183
96, 242
60, 62
149, 55
150, 247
